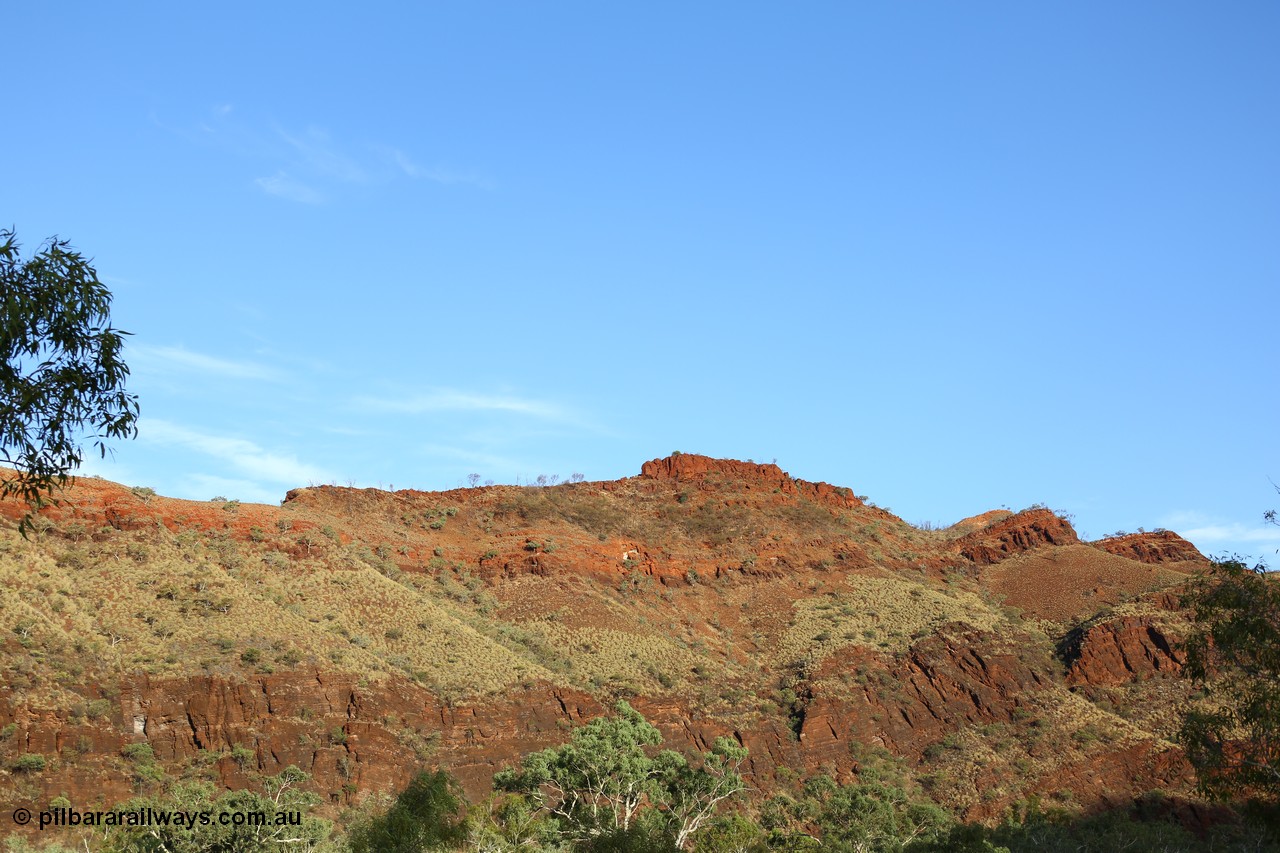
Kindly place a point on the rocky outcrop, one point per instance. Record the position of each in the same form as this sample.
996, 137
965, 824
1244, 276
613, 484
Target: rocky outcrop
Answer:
1111, 778
1014, 534
956, 680
1160, 546
690, 467
350, 736
1120, 650
944, 682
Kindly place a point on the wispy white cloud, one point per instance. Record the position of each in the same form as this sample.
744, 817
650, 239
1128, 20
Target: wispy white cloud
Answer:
311, 164
106, 467
342, 430
219, 113
322, 156
1212, 534
219, 128
241, 455
1234, 532
406, 165
206, 486
115, 281
450, 400
156, 358
437, 174
488, 461
283, 186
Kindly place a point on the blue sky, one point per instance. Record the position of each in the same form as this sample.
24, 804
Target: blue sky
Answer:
954, 256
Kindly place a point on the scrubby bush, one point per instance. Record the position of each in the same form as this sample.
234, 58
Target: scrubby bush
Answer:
429, 814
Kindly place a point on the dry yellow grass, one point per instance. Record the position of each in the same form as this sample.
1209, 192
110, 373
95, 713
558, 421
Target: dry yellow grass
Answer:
168, 606
886, 613
601, 655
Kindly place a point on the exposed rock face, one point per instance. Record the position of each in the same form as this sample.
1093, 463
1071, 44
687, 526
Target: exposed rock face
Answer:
349, 737
956, 680
944, 682
1014, 534
366, 738
1161, 546
1120, 650
690, 467
352, 737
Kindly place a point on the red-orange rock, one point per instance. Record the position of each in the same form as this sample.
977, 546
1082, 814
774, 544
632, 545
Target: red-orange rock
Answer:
1160, 546
690, 467
1122, 649
1014, 534
717, 552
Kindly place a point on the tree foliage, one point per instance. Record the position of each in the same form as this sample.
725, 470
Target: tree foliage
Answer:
208, 822
1233, 739
597, 782
689, 795
870, 815
428, 815
596, 786
62, 379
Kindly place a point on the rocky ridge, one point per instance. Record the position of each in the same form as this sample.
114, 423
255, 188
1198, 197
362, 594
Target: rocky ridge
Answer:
719, 597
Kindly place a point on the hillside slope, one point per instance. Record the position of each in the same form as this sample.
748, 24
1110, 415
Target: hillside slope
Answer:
360, 634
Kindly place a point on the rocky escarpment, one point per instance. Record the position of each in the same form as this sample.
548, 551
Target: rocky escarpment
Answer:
1015, 534
1160, 546
360, 633
692, 468
1121, 649
350, 735
962, 680
356, 737
943, 683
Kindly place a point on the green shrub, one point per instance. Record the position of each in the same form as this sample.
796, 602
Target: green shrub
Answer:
28, 763
430, 814
243, 756
74, 559
227, 830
